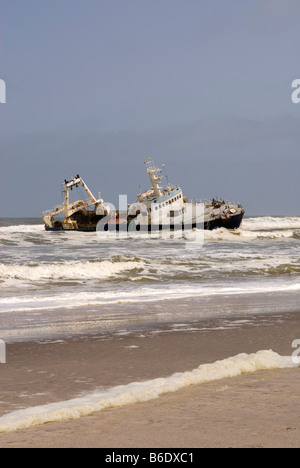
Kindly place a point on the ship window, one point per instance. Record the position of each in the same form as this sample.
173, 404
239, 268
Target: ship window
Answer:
160, 207
156, 207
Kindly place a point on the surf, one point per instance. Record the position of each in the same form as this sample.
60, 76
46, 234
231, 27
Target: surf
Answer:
135, 392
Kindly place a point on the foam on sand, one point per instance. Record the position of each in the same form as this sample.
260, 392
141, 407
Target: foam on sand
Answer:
142, 391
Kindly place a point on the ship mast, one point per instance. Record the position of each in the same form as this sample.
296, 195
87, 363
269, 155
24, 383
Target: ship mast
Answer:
70, 208
152, 171
69, 185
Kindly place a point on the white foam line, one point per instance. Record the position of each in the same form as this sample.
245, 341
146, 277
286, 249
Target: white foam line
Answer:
145, 295
69, 271
142, 391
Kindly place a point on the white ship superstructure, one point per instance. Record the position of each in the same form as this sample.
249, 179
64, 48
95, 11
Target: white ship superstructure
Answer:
163, 204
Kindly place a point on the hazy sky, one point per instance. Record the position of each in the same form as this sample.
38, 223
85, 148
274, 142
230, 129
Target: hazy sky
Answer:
204, 86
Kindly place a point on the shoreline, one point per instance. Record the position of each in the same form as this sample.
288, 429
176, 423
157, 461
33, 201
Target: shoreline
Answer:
79, 322
43, 372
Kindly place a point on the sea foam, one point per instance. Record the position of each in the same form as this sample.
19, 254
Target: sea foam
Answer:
142, 391
69, 271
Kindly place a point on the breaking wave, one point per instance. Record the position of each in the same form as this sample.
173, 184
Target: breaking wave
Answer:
142, 391
213, 265
263, 228
67, 271
269, 223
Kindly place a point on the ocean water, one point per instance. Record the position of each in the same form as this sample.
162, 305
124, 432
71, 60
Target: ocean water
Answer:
65, 283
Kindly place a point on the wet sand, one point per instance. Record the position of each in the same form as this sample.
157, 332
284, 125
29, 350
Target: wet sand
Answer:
260, 409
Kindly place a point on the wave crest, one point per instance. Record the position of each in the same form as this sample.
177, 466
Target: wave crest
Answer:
67, 271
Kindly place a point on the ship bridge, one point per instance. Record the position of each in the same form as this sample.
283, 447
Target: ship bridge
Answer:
174, 198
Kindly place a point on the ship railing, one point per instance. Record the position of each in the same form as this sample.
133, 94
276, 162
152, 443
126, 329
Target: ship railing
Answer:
202, 201
210, 201
54, 210
60, 208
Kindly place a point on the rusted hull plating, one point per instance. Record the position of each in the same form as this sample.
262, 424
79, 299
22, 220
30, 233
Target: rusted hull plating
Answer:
231, 223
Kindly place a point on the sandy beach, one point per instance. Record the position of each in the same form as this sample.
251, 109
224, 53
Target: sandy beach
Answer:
259, 409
